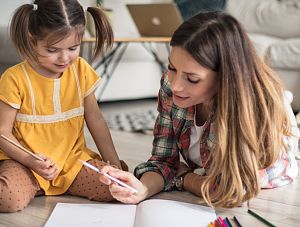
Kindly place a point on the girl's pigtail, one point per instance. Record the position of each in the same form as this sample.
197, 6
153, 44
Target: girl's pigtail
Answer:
104, 32
20, 32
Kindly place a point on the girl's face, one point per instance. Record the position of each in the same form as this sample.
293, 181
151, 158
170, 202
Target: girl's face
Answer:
191, 83
54, 59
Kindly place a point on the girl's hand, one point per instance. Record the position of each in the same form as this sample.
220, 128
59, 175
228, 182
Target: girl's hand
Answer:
119, 192
46, 169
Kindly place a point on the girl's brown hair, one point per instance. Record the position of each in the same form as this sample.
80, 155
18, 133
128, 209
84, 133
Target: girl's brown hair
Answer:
250, 118
54, 20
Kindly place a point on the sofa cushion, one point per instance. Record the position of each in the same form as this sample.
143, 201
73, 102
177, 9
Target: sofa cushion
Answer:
262, 42
285, 54
279, 18
8, 53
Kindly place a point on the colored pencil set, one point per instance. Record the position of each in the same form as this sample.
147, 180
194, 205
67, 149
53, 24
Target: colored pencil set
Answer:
220, 222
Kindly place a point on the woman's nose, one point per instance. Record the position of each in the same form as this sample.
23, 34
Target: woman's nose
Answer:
176, 83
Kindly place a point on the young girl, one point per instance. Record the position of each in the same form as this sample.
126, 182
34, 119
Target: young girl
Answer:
225, 112
44, 102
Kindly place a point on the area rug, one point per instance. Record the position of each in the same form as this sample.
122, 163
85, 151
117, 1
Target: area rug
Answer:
132, 121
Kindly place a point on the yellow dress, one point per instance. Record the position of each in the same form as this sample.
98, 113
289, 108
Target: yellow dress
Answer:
50, 117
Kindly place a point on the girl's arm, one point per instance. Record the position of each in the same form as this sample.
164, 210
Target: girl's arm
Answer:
99, 130
47, 169
7, 118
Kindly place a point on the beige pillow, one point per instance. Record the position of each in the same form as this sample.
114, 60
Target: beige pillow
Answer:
279, 18
285, 54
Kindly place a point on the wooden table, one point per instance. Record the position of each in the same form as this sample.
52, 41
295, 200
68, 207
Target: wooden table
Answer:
112, 58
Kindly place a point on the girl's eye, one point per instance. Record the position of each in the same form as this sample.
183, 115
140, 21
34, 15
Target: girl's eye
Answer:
73, 48
171, 69
51, 50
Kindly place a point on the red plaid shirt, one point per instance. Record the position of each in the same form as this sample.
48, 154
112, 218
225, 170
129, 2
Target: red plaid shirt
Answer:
172, 133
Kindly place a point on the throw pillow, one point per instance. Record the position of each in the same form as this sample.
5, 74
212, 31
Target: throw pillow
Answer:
188, 8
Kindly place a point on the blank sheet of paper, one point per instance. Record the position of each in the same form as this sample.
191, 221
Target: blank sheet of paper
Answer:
92, 215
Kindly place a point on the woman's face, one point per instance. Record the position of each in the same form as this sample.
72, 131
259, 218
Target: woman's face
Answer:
191, 83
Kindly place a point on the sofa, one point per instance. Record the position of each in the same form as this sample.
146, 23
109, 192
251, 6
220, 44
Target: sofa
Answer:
8, 55
274, 28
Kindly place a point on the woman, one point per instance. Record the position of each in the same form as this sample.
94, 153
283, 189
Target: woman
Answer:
225, 112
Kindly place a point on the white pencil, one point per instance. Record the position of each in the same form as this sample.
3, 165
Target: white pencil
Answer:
22, 148
110, 177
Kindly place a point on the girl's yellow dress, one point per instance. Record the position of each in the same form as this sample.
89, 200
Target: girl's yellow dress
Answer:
50, 117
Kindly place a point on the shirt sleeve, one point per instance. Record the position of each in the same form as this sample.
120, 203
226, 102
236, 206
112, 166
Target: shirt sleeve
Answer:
285, 169
92, 79
165, 153
9, 90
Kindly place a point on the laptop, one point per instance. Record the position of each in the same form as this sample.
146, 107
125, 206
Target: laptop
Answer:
155, 20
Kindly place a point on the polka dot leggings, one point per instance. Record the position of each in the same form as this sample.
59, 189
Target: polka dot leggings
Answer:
18, 186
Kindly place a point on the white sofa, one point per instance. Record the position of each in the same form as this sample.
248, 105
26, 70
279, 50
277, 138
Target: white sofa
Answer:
8, 54
274, 28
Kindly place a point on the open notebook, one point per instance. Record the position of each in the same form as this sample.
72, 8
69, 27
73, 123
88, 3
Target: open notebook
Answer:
149, 213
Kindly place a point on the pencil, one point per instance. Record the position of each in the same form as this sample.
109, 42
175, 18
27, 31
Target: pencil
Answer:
110, 177
228, 222
237, 222
22, 148
260, 218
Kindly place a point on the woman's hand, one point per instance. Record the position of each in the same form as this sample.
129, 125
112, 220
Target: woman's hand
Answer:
46, 169
183, 169
119, 192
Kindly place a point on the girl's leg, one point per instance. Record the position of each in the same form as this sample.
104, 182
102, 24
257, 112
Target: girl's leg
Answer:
18, 186
87, 184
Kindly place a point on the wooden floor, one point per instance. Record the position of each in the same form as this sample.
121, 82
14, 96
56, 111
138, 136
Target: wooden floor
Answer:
280, 206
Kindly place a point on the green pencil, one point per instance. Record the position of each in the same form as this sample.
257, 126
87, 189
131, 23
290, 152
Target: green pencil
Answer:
261, 218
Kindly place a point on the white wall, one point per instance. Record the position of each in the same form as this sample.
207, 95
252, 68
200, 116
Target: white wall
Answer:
137, 75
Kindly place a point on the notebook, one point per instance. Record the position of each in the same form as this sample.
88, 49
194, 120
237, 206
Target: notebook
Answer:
160, 19
149, 213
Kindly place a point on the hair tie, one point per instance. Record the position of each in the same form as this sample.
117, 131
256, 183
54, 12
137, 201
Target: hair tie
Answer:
35, 7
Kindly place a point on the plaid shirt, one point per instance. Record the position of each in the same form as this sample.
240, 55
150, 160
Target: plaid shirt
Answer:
172, 133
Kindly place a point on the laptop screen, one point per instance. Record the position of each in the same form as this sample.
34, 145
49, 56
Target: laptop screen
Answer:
155, 20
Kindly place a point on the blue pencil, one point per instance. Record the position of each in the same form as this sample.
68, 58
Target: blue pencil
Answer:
228, 223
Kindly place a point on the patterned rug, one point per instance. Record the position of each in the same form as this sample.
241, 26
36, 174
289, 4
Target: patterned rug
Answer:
133, 121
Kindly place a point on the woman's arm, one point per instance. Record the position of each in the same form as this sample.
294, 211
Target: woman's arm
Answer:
192, 182
99, 130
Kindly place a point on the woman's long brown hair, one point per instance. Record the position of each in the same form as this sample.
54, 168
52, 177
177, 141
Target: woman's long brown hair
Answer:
250, 119
54, 20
